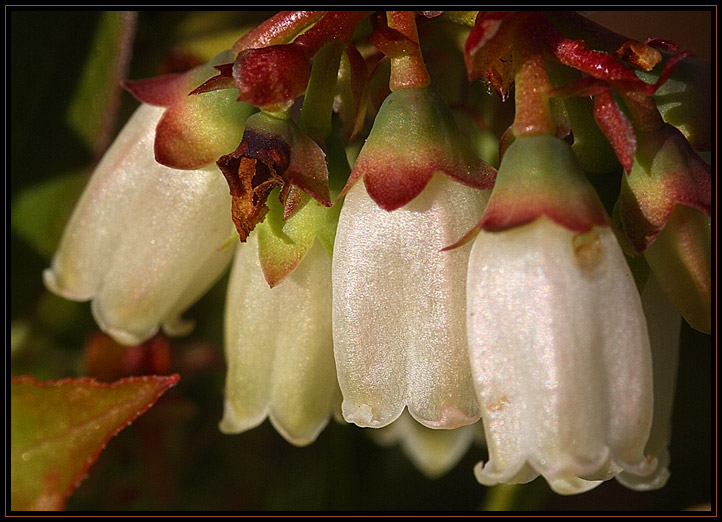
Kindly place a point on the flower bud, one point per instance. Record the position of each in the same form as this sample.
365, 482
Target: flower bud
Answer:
398, 310
664, 207
125, 247
271, 77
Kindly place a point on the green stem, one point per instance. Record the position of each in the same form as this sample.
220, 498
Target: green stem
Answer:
516, 497
315, 119
467, 18
280, 115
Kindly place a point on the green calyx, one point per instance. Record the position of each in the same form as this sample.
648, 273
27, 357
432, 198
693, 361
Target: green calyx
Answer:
415, 136
282, 244
540, 175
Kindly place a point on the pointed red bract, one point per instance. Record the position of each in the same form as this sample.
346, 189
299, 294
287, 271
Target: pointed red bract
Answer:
162, 90
224, 80
617, 128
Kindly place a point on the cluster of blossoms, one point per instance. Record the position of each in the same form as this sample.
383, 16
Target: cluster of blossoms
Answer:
410, 285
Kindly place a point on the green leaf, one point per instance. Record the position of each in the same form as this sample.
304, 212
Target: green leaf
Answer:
58, 429
40, 212
94, 107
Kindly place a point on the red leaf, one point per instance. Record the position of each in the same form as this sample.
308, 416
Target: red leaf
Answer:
271, 77
59, 428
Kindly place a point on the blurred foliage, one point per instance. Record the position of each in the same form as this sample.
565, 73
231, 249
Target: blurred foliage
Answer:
174, 457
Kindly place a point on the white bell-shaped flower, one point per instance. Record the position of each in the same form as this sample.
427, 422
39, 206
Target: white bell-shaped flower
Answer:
399, 307
144, 241
279, 347
664, 323
560, 357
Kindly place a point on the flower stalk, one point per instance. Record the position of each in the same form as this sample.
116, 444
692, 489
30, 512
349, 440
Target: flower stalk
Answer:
408, 71
531, 83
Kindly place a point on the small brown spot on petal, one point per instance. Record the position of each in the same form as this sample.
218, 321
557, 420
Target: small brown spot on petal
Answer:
498, 404
587, 249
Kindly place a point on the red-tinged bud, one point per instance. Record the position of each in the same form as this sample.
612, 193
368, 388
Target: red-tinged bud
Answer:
271, 77
414, 136
666, 172
203, 119
664, 206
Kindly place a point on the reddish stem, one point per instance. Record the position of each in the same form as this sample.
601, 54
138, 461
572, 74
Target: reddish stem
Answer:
407, 72
531, 84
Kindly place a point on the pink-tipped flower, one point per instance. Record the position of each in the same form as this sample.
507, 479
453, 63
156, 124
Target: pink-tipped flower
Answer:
126, 245
664, 206
557, 336
399, 307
